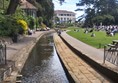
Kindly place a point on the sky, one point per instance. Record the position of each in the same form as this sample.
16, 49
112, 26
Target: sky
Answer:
69, 5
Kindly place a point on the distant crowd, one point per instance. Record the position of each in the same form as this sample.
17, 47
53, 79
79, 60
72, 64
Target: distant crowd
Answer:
110, 30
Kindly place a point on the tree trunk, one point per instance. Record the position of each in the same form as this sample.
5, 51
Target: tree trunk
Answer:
12, 6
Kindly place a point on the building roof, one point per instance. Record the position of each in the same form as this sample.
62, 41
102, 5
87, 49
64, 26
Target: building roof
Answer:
27, 5
64, 12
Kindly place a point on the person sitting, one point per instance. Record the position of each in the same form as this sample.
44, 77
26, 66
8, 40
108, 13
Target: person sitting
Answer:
93, 35
111, 34
91, 30
108, 32
30, 32
59, 32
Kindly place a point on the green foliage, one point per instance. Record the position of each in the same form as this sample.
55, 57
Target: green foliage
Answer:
31, 22
98, 19
8, 26
3, 5
57, 20
109, 19
43, 25
64, 25
105, 11
21, 15
40, 20
45, 10
37, 23
105, 19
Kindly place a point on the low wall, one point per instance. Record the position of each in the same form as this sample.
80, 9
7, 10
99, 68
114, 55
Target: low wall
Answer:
20, 59
113, 76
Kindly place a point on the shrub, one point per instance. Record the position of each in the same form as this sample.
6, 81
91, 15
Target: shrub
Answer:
40, 20
31, 22
37, 23
43, 25
23, 24
8, 26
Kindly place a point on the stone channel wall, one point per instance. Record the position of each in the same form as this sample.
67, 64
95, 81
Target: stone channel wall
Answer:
19, 62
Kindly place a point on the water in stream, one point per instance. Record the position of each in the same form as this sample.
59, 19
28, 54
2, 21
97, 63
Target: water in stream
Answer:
43, 65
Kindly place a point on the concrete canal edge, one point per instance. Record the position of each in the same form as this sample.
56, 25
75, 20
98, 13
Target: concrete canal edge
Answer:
110, 74
15, 69
69, 77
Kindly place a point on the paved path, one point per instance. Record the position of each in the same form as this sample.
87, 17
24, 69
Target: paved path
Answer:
14, 48
80, 71
91, 52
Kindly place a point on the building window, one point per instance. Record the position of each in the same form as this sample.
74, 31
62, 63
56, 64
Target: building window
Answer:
61, 19
64, 19
61, 15
64, 14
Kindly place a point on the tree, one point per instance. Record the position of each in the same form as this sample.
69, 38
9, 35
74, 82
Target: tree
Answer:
45, 10
57, 20
40, 20
3, 6
12, 6
95, 9
105, 19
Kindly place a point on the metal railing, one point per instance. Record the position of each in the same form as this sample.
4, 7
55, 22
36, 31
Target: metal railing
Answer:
111, 54
2, 53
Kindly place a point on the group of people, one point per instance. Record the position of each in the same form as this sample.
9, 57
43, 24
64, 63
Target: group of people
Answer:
110, 30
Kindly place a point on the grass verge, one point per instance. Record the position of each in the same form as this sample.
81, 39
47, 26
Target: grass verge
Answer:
98, 41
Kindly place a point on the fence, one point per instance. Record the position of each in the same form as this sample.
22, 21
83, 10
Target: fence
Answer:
2, 53
111, 54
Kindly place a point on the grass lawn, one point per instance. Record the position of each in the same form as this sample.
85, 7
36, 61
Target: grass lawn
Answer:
98, 41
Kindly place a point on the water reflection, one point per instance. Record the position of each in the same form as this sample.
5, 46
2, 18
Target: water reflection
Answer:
43, 65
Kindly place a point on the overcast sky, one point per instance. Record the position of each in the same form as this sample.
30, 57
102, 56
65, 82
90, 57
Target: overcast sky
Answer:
69, 5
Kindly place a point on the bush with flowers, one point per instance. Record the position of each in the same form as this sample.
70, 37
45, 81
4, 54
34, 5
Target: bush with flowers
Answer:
23, 24
11, 26
8, 26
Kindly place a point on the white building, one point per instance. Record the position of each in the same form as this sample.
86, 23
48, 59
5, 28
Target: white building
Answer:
65, 16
